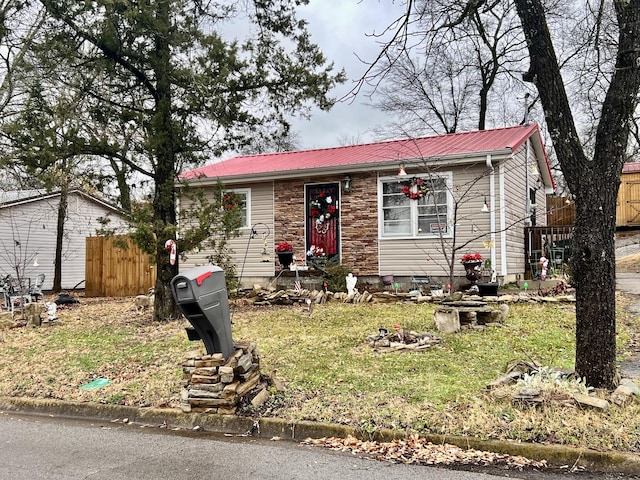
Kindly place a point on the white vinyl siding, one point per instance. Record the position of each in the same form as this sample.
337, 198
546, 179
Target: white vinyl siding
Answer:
246, 250
28, 232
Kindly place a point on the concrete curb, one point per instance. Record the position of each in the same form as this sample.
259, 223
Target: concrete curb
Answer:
555, 455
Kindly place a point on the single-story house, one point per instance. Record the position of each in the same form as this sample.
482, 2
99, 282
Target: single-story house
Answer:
28, 226
394, 208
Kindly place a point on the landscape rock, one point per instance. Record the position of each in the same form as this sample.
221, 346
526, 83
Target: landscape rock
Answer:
595, 402
260, 398
622, 396
272, 296
447, 320
527, 394
32, 312
7, 321
507, 379
630, 384
216, 385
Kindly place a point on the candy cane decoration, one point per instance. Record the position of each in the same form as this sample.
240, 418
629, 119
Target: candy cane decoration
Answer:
171, 245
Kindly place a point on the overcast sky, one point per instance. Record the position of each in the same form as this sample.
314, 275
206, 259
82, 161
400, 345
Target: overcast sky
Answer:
340, 28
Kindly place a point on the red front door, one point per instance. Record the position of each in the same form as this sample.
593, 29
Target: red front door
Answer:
322, 212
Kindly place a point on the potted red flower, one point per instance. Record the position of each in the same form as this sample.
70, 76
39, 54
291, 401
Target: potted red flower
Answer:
285, 254
472, 263
471, 257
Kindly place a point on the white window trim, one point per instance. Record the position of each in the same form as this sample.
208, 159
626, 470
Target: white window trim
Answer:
247, 193
448, 176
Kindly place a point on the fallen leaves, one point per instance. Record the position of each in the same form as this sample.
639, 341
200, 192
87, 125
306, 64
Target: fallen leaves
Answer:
418, 451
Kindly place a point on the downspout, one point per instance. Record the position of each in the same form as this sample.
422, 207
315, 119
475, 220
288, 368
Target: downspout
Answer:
527, 201
492, 203
503, 223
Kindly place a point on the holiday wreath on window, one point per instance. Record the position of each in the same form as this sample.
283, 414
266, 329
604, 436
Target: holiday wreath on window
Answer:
230, 200
415, 188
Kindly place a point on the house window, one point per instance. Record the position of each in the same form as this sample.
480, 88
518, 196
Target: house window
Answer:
243, 197
426, 216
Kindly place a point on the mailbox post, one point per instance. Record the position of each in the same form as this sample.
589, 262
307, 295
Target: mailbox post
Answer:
201, 295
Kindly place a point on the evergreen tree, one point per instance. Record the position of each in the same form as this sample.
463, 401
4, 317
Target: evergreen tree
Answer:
165, 89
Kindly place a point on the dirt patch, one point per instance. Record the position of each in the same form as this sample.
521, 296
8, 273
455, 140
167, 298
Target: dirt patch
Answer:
628, 264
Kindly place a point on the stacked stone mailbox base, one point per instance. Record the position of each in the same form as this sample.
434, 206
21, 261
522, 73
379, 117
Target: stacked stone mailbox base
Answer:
214, 384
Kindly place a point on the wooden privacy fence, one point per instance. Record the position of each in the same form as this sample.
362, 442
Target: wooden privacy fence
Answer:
115, 267
560, 211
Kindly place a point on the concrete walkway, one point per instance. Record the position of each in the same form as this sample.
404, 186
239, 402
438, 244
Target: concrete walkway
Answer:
629, 283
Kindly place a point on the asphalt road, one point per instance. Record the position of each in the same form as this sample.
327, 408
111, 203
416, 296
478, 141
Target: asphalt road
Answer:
38, 447
34, 448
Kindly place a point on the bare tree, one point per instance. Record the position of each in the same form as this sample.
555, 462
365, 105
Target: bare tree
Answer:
591, 165
444, 76
20, 23
284, 140
594, 180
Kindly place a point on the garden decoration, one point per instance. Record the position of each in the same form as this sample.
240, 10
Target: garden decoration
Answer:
351, 281
317, 257
171, 246
544, 263
284, 250
472, 263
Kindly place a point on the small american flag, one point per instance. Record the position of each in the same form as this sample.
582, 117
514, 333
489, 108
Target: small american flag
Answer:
297, 285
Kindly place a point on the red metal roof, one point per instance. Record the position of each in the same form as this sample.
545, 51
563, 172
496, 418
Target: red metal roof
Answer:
455, 144
631, 167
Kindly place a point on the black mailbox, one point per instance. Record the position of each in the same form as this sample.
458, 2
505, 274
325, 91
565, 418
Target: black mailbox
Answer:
201, 295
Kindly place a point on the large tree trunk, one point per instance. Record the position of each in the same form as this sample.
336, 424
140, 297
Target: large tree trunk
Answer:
594, 183
164, 213
62, 217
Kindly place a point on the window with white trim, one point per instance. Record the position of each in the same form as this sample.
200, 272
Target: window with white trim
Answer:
415, 207
243, 197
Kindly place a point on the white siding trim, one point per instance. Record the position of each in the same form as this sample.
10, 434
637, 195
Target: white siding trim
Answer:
492, 210
503, 221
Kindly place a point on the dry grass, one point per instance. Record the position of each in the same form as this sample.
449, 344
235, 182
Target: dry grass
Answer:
628, 264
332, 374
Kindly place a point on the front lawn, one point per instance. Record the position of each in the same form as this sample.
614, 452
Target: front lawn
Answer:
331, 372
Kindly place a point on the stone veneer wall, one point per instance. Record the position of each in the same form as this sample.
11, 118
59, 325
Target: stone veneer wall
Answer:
360, 224
358, 219
288, 213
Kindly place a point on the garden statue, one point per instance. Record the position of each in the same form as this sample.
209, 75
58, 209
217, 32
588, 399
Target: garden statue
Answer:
544, 263
51, 311
351, 284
